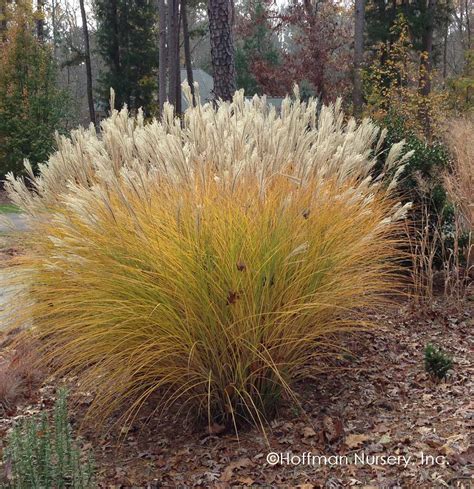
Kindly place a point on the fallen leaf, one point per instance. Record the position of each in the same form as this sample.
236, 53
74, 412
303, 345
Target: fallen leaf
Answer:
308, 432
356, 440
238, 464
248, 481
333, 428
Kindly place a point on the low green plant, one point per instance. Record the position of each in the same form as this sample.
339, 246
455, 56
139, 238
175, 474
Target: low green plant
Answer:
41, 453
437, 362
423, 174
461, 87
32, 106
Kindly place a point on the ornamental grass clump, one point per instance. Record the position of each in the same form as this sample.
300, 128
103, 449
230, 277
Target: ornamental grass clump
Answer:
209, 263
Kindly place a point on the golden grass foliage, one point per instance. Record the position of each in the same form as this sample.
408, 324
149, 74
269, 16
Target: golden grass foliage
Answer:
209, 264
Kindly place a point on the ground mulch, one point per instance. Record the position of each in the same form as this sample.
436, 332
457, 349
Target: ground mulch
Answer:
379, 402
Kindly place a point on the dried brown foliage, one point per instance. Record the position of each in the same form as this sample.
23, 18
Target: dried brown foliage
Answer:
460, 182
20, 371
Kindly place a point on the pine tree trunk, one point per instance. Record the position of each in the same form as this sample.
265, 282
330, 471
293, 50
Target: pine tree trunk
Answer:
87, 53
187, 50
358, 55
222, 49
162, 54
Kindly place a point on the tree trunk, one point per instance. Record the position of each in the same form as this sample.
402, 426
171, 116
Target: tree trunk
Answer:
178, 106
425, 66
460, 20
131, 98
40, 20
3, 21
222, 48
468, 23
162, 54
427, 50
358, 55
445, 55
173, 49
87, 55
54, 26
116, 49
187, 50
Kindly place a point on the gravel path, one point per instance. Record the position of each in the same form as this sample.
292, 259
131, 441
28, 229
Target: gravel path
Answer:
9, 223
7, 294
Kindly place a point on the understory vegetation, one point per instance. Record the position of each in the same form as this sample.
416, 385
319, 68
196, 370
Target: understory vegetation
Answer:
437, 362
41, 452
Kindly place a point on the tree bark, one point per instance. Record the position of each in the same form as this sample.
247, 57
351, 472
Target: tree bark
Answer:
222, 48
87, 55
468, 24
460, 21
187, 50
162, 54
358, 55
425, 66
54, 26
3, 21
173, 49
125, 44
445, 56
40, 20
115, 45
427, 50
178, 64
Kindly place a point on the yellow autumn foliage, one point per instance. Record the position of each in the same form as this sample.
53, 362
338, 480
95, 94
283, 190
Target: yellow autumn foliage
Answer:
207, 263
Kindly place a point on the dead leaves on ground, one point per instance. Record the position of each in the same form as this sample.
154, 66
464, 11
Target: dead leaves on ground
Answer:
380, 402
356, 440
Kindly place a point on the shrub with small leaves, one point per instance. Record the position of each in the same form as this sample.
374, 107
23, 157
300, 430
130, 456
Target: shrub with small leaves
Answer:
41, 453
437, 362
32, 106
